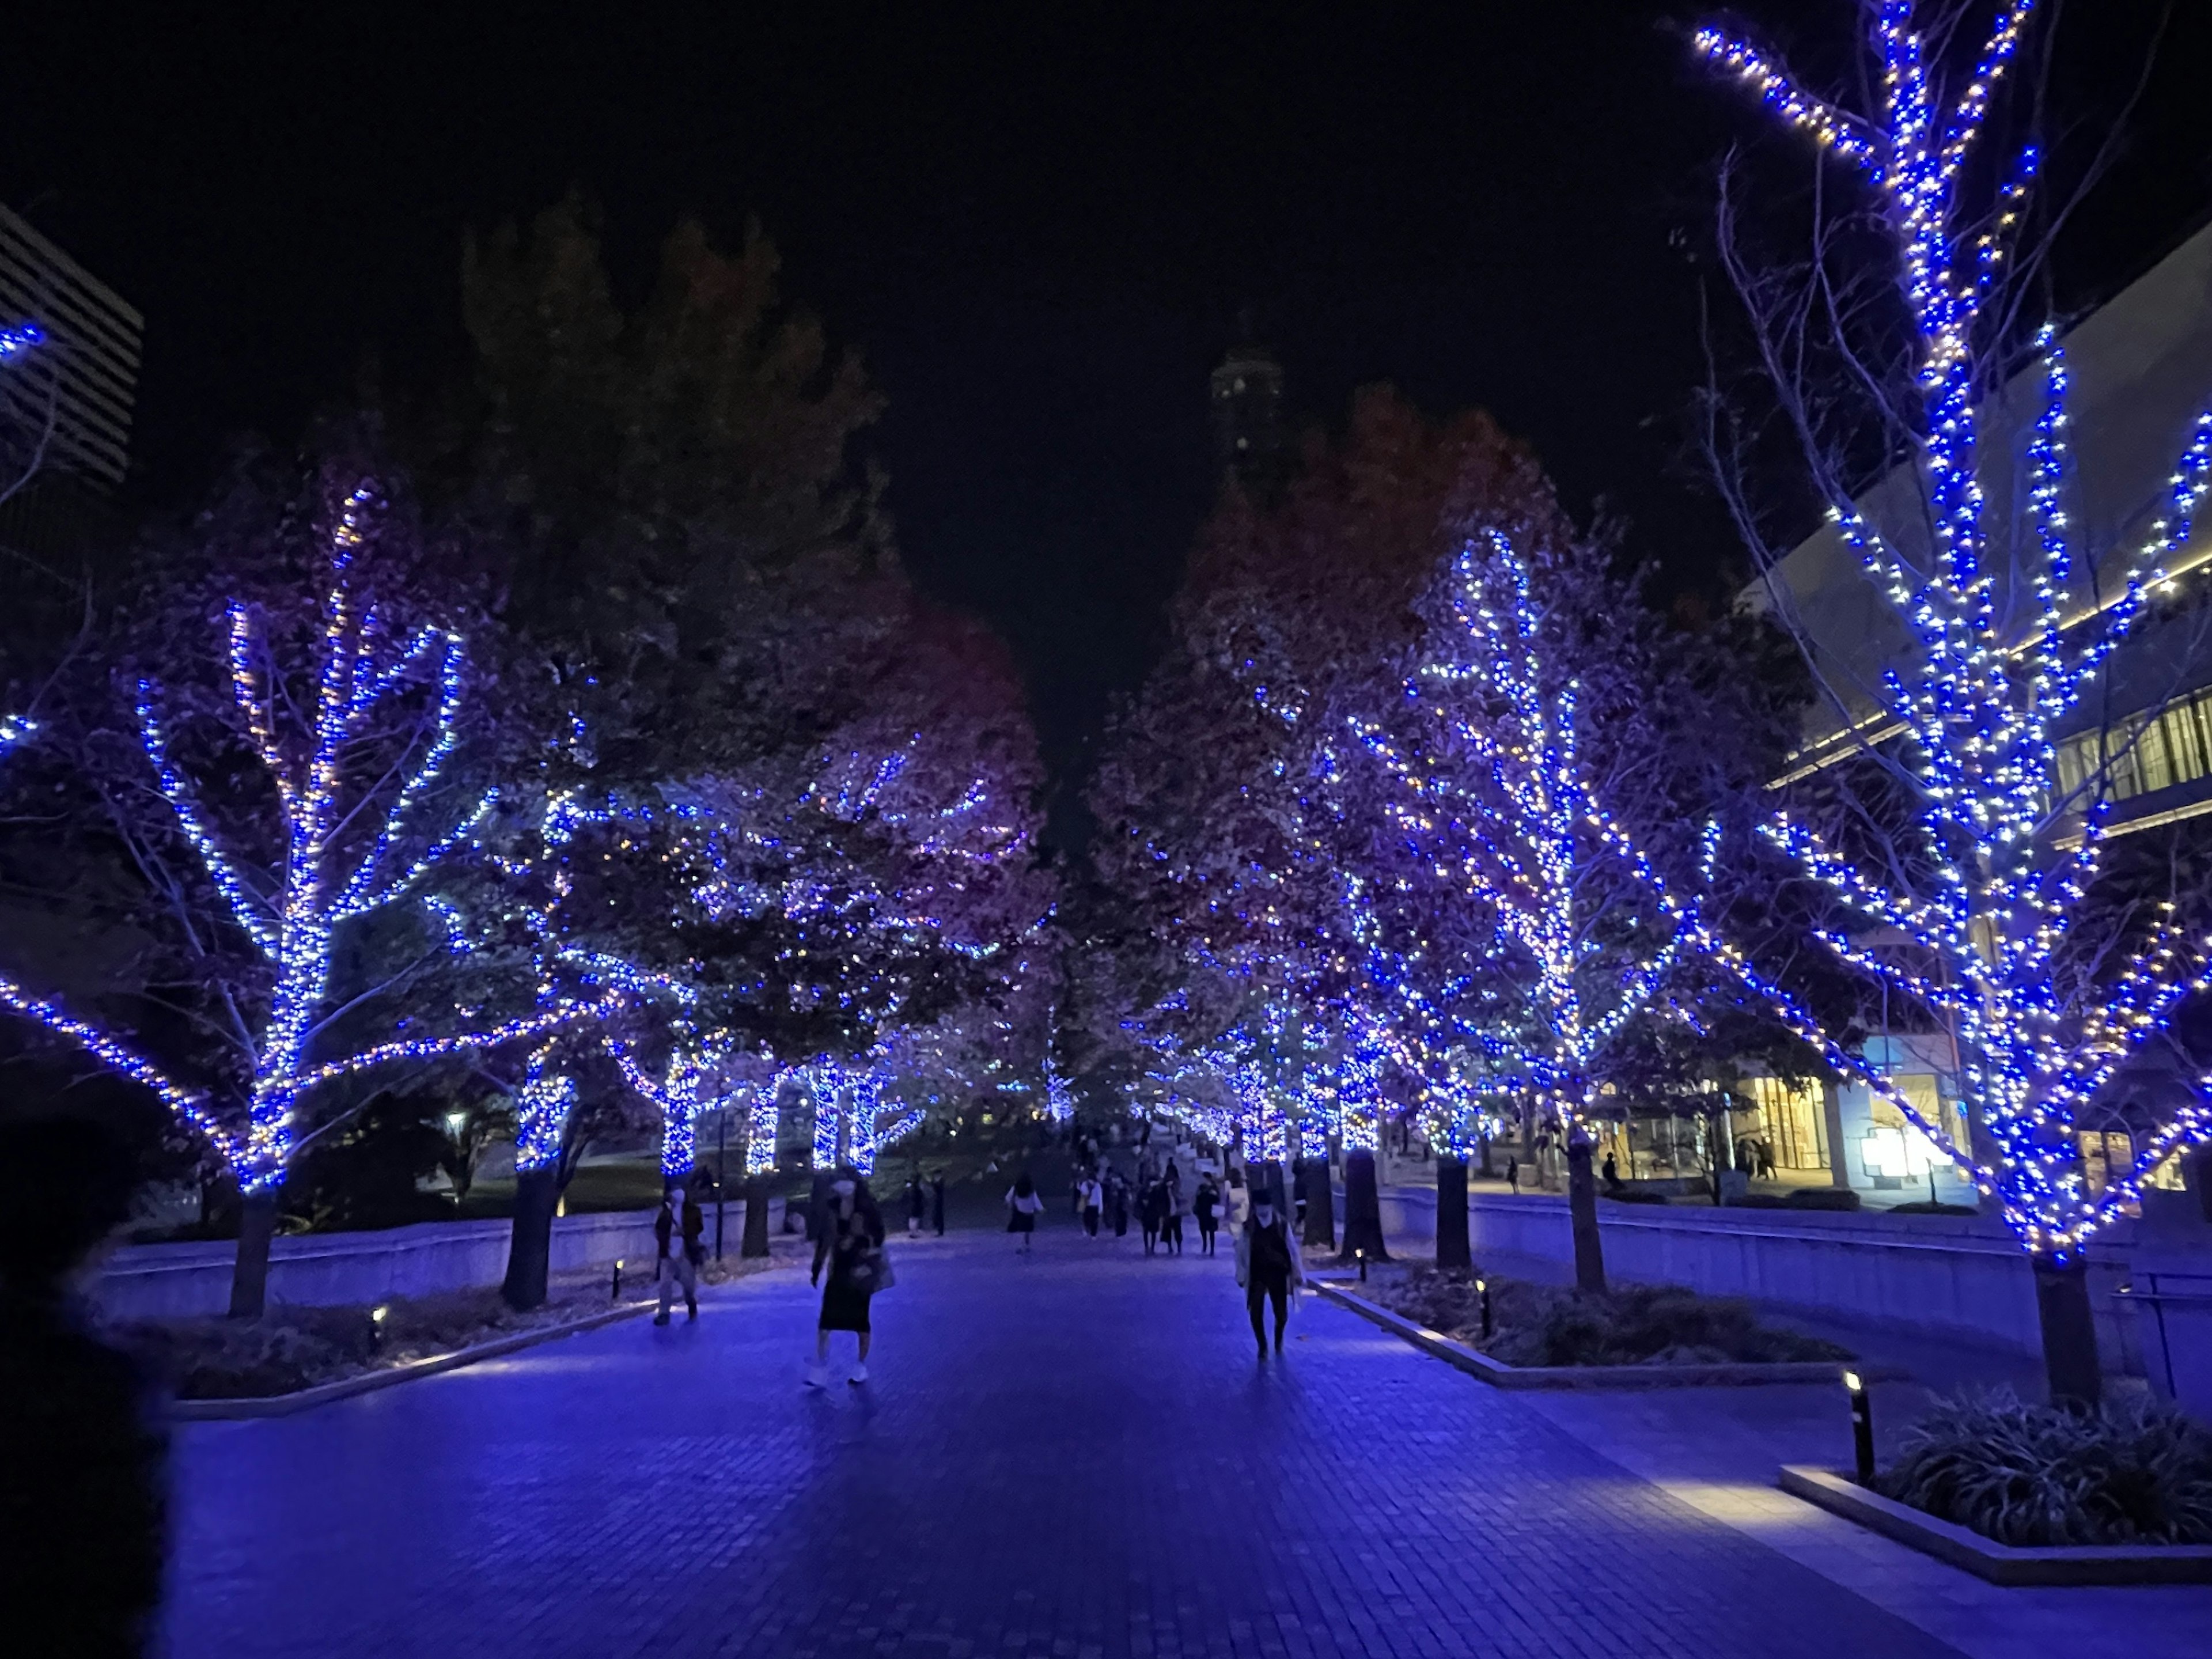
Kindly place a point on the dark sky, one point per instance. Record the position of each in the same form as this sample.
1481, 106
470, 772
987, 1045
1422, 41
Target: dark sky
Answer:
1037, 222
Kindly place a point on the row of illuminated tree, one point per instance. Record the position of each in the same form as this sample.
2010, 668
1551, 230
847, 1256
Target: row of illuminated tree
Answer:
1432, 817
597, 765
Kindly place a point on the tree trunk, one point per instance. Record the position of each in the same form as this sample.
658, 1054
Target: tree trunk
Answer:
1488, 1173
530, 1240
249, 1276
755, 1239
1453, 1247
2069, 1329
1582, 1209
1363, 1209
1321, 1205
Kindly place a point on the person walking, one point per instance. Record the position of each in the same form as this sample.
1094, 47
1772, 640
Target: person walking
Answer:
1236, 1206
1175, 1207
851, 1248
677, 1231
937, 1201
1513, 1171
917, 1204
1021, 1206
1090, 1198
1152, 1211
1117, 1202
1270, 1267
1205, 1204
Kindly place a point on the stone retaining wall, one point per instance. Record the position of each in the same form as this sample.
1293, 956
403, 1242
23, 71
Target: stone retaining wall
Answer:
1960, 1277
322, 1270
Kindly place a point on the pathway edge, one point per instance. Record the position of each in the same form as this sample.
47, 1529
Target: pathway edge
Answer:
2000, 1563
283, 1405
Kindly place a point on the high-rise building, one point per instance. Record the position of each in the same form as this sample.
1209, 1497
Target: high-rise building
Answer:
67, 403
1248, 420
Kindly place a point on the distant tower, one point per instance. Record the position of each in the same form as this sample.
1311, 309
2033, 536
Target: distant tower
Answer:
1248, 420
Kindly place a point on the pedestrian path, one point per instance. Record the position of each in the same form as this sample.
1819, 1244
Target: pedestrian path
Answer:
1072, 1455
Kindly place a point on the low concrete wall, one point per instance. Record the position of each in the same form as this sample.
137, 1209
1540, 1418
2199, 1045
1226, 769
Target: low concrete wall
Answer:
324, 1270
1961, 1277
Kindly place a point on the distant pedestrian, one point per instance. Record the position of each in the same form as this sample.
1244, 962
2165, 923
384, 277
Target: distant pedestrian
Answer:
1236, 1205
1171, 1222
917, 1203
1021, 1206
677, 1231
1766, 1160
1204, 1204
1611, 1171
1152, 1211
81, 1436
851, 1247
1089, 1196
1269, 1266
1513, 1172
937, 1201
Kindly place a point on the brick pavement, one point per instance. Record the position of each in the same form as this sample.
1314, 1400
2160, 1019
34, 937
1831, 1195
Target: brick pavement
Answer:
1072, 1456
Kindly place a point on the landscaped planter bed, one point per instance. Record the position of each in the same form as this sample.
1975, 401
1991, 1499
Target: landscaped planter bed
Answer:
1440, 1314
2001, 1564
2021, 1494
294, 1358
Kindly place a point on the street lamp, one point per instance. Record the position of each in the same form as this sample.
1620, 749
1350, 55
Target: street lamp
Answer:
455, 1122
1861, 1427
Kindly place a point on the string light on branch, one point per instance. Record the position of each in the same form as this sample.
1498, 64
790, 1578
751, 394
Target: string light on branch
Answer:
1992, 909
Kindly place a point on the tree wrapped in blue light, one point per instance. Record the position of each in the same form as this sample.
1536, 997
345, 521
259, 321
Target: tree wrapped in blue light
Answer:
1496, 801
351, 717
1991, 887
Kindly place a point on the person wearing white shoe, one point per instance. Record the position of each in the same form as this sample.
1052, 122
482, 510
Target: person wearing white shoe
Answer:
850, 1245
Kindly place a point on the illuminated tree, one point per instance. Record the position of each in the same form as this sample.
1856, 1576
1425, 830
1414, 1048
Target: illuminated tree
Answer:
275, 810
1500, 798
2049, 993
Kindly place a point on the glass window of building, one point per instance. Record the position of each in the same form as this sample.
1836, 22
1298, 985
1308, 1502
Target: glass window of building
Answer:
1792, 1123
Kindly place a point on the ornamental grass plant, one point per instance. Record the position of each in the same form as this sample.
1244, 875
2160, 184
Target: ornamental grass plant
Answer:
2134, 1472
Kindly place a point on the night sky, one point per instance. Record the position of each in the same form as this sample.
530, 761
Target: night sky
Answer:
1037, 223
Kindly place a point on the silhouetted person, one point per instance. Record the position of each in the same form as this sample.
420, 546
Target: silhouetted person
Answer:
851, 1247
1269, 1266
937, 1201
677, 1233
1204, 1204
80, 1458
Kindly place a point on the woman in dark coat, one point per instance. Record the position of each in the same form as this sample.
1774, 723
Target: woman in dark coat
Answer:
851, 1246
1152, 1211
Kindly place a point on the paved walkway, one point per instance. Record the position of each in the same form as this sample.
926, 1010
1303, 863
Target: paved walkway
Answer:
1073, 1455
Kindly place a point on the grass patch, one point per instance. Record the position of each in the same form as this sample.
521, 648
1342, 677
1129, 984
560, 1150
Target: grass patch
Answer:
1638, 1325
2135, 1472
291, 1348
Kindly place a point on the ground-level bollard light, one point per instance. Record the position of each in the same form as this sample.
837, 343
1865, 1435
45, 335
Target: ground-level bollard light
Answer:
1861, 1427
616, 1294
1361, 1256
1482, 1290
377, 1315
